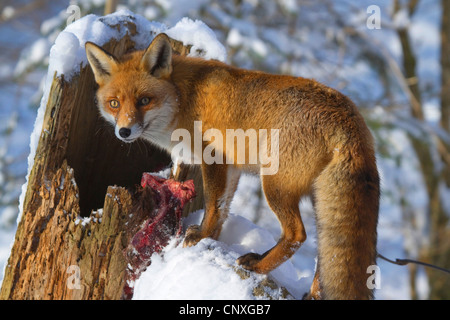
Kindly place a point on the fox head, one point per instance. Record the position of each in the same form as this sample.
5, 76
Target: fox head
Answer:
135, 93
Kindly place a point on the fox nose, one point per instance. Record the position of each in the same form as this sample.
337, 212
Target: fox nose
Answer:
124, 132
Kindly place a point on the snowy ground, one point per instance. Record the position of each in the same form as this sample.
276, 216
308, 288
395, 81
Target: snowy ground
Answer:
209, 260
203, 271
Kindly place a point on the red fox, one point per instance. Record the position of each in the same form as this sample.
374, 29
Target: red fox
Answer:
324, 150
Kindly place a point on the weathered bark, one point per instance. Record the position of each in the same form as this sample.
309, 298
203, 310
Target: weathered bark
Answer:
58, 256
78, 159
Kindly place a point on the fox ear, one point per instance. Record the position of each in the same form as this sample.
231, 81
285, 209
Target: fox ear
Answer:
102, 63
157, 57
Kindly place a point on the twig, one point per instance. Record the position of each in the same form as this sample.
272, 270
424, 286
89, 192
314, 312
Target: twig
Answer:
404, 262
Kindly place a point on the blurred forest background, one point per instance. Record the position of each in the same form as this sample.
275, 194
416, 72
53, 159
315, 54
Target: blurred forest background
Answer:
392, 57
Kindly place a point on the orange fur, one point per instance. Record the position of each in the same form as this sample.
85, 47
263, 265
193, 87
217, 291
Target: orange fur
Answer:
325, 149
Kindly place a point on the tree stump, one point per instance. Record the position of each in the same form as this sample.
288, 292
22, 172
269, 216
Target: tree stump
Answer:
65, 246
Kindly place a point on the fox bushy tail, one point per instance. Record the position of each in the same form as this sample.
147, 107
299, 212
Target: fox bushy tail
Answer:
347, 201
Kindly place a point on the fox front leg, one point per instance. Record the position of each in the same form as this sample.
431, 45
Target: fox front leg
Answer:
219, 184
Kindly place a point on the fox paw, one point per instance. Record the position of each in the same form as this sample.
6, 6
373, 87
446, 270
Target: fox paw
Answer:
193, 236
250, 261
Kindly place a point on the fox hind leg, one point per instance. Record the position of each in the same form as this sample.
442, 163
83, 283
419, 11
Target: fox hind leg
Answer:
285, 204
315, 290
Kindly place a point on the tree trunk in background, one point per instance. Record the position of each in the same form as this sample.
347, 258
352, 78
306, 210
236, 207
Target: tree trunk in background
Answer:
110, 6
55, 255
440, 234
445, 79
438, 250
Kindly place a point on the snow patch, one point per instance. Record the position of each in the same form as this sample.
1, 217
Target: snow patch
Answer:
207, 270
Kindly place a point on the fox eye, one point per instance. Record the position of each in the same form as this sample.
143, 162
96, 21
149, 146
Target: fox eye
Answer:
114, 104
144, 101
